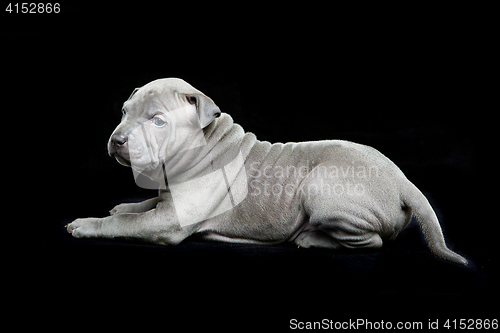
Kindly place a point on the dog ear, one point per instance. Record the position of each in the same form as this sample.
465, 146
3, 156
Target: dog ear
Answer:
205, 108
133, 93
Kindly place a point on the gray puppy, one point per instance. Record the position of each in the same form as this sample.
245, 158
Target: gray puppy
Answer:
221, 183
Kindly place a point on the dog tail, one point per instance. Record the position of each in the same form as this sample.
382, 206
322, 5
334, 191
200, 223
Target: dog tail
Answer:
429, 223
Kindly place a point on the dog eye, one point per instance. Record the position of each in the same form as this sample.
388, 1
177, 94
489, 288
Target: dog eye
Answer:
158, 122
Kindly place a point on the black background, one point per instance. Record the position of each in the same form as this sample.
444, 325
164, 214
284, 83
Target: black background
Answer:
410, 82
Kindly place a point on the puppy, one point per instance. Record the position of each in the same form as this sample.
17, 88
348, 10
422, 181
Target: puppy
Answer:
221, 183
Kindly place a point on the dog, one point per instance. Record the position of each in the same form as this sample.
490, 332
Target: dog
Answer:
219, 182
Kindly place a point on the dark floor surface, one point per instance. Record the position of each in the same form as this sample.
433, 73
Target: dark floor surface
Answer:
203, 284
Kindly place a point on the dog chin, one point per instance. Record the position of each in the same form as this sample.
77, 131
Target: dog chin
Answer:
122, 160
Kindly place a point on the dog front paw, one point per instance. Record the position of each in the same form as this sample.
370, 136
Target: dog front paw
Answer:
123, 208
85, 228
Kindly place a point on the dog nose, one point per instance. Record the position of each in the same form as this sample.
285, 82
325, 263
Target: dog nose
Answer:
120, 139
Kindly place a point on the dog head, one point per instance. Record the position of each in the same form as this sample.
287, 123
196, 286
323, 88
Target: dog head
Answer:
161, 120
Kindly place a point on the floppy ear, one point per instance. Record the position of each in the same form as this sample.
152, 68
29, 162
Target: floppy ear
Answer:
205, 108
133, 93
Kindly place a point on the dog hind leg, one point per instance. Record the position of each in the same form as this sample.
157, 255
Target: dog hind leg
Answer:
316, 239
350, 233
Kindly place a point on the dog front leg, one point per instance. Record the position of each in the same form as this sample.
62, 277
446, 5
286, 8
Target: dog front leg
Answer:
158, 226
138, 207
